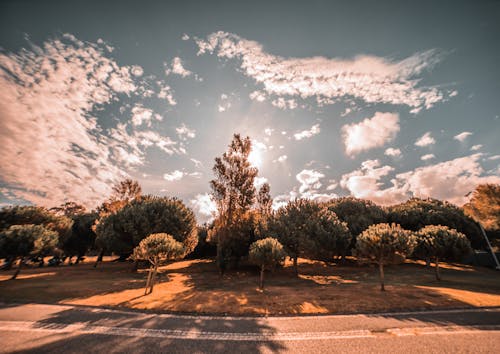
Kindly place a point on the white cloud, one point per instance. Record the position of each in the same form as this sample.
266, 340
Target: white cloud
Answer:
258, 96
259, 181
177, 67
309, 180
185, 132
494, 157
462, 136
185, 37
392, 152
370, 133
142, 115
281, 158
427, 157
53, 149
282, 103
449, 180
315, 129
204, 206
166, 93
369, 78
425, 140
476, 147
268, 131
136, 70
174, 176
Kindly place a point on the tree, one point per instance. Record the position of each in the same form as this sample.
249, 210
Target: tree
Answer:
126, 191
308, 229
441, 243
359, 214
416, 213
264, 199
484, 206
34, 215
82, 236
21, 241
68, 209
157, 248
266, 253
122, 231
384, 244
234, 193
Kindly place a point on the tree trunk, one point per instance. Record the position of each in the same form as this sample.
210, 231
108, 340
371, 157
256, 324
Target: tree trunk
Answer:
428, 261
295, 267
153, 278
381, 269
99, 258
262, 277
438, 276
148, 281
21, 261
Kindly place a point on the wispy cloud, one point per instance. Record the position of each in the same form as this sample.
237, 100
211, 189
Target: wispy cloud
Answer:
54, 150
369, 78
314, 130
184, 132
370, 133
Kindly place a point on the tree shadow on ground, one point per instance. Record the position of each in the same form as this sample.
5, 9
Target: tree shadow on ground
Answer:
147, 333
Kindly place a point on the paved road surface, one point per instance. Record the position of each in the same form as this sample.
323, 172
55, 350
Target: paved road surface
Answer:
40, 328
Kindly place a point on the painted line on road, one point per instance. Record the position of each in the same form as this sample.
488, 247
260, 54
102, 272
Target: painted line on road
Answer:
82, 328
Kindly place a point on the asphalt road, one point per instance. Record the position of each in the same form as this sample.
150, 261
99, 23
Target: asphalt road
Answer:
40, 328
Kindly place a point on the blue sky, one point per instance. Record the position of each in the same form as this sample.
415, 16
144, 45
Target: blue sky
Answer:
380, 100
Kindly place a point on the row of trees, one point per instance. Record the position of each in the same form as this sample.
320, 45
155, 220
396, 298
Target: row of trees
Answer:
303, 228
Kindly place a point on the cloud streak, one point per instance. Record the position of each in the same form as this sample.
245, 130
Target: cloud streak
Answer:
369, 78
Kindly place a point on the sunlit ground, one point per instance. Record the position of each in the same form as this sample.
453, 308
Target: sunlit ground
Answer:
195, 286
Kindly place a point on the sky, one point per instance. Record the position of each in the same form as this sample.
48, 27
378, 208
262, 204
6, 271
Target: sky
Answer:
380, 100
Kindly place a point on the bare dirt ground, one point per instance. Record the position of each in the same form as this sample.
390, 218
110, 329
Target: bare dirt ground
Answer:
195, 286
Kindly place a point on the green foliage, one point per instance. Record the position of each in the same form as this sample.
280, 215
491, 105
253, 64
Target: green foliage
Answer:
264, 199
27, 240
122, 231
359, 214
158, 247
384, 244
441, 242
82, 236
24, 215
308, 229
266, 252
234, 192
204, 248
416, 213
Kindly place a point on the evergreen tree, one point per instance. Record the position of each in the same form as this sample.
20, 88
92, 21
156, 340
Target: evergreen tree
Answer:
266, 253
441, 243
384, 244
234, 192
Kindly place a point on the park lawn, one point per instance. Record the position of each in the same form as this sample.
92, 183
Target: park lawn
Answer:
195, 286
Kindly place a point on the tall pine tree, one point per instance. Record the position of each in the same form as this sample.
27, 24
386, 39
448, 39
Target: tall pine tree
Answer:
234, 192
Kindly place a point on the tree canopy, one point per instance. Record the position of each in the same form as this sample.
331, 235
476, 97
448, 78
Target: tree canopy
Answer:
122, 231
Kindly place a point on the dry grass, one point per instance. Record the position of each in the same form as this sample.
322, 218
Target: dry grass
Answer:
195, 286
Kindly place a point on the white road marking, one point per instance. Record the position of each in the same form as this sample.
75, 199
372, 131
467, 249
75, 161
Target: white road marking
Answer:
32, 326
